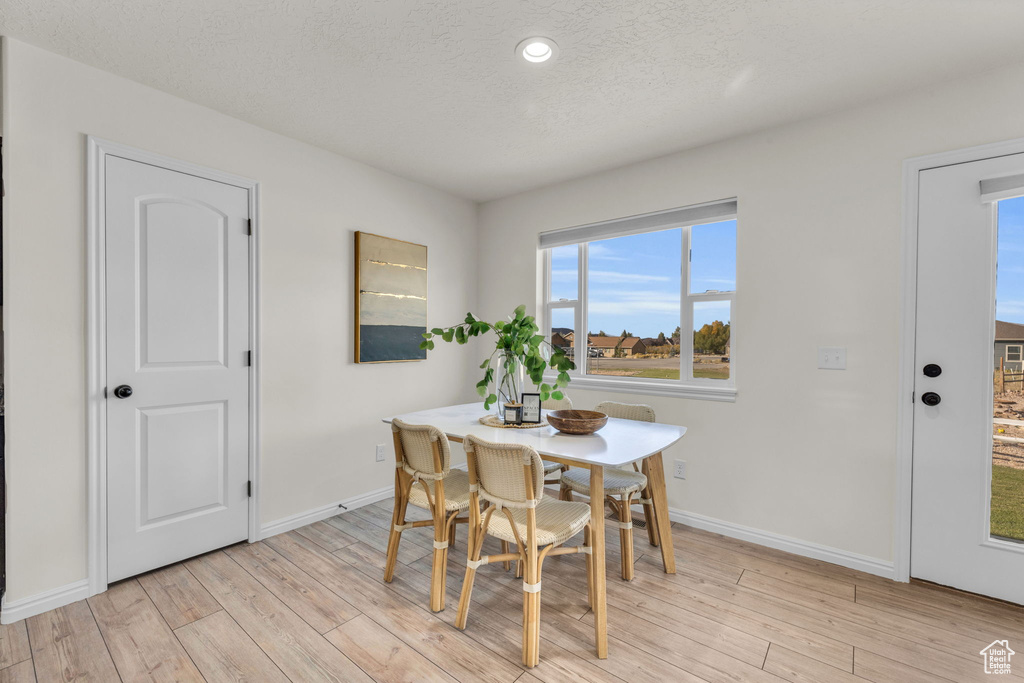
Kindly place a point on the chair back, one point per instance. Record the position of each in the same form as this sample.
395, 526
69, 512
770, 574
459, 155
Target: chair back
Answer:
414, 450
508, 474
564, 403
626, 411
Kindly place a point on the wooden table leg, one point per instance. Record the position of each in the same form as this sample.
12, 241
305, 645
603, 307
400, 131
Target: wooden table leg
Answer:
656, 480
597, 538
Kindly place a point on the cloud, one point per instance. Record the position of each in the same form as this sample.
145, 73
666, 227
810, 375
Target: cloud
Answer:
604, 253
706, 307
1004, 308
608, 277
724, 284
611, 277
633, 302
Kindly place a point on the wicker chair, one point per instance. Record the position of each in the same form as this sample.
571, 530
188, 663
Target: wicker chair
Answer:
510, 478
423, 457
620, 482
551, 468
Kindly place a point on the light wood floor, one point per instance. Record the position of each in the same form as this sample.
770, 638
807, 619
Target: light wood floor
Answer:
310, 605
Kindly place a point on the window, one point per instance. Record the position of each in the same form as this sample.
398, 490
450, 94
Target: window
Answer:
634, 285
1013, 353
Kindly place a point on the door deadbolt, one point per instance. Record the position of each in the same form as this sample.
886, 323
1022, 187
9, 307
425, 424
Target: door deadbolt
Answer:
932, 370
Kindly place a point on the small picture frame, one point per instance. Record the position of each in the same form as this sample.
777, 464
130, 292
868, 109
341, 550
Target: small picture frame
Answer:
531, 409
512, 413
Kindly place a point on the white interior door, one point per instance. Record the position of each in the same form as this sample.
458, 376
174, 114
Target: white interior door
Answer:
962, 526
177, 310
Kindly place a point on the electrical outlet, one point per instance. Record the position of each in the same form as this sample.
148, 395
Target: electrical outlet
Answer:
831, 358
680, 469
382, 452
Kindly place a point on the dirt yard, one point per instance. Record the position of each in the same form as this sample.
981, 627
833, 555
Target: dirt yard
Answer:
1009, 406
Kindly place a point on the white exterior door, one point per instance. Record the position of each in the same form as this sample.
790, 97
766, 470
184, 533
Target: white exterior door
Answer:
962, 524
177, 311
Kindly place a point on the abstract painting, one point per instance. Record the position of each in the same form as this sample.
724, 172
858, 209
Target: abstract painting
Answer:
391, 299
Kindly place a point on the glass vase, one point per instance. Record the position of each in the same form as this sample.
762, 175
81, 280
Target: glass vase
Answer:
511, 378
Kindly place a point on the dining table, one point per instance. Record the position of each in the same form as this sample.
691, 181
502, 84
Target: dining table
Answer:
619, 443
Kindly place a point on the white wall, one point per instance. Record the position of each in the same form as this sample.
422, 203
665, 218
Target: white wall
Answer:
321, 412
804, 453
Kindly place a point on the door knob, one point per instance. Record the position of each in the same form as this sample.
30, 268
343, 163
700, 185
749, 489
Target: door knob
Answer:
932, 370
930, 398
123, 391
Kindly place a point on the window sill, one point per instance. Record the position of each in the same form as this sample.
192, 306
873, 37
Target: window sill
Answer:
654, 388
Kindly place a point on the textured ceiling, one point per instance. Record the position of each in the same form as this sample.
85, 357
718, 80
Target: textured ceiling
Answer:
432, 91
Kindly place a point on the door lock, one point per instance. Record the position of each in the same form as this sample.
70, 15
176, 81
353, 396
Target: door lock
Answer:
123, 391
932, 370
930, 398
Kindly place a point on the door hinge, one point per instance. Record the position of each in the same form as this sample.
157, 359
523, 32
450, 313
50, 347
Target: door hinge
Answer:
248, 226
249, 488
248, 358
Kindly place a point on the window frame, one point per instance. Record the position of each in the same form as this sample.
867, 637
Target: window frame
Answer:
687, 386
1020, 353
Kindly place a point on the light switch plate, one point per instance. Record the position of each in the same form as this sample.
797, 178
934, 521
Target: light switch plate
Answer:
831, 357
382, 451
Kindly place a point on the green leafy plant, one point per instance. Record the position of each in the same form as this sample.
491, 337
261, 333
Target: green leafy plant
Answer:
519, 342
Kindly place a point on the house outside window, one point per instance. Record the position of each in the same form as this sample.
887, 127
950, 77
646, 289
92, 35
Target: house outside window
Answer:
634, 285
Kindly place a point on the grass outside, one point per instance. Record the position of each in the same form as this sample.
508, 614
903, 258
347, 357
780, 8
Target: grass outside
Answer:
1007, 502
668, 373
658, 373
720, 372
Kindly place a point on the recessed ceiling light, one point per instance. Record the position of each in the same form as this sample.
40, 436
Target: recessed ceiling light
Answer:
537, 50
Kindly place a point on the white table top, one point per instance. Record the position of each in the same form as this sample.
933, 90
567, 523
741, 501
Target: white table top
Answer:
619, 442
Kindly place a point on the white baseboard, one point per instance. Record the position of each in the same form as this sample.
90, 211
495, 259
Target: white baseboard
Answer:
16, 610
319, 514
843, 558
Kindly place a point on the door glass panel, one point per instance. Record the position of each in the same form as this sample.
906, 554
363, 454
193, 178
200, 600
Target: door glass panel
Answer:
1007, 511
711, 325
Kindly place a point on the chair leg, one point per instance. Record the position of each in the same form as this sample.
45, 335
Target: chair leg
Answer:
626, 537
565, 493
397, 519
475, 543
439, 572
504, 549
531, 611
649, 516
590, 567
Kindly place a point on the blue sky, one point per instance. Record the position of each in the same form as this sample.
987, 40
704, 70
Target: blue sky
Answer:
1010, 276
634, 281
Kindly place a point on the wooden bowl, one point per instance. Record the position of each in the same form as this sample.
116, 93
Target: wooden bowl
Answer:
577, 421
